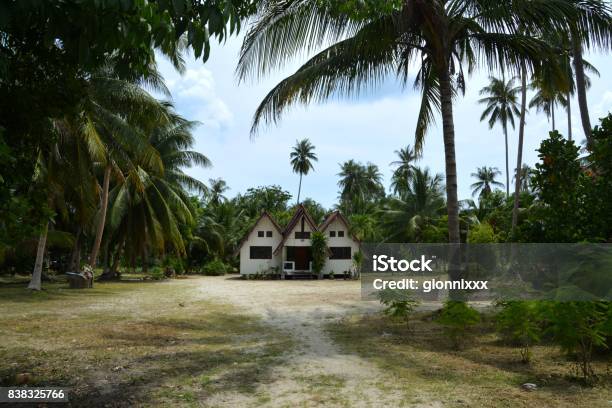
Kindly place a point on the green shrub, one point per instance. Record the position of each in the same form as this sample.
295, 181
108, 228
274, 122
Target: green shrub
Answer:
399, 305
577, 328
481, 234
216, 267
457, 317
157, 273
518, 321
318, 246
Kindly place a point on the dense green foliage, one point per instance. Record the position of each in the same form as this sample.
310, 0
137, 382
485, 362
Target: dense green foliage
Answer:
318, 246
457, 318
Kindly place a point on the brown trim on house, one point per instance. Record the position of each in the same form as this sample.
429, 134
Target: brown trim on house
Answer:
246, 236
301, 211
331, 217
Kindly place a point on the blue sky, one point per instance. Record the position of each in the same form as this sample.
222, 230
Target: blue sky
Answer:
368, 129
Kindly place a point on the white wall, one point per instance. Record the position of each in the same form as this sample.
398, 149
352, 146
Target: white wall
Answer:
291, 241
338, 266
252, 266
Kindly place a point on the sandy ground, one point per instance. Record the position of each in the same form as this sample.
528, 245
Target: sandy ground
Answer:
301, 309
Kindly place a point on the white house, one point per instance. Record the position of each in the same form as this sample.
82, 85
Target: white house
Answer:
267, 247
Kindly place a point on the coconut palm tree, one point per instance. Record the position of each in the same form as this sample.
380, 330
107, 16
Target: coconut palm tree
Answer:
590, 27
302, 157
423, 202
501, 106
404, 169
546, 97
525, 177
359, 185
440, 37
149, 206
485, 177
216, 189
115, 116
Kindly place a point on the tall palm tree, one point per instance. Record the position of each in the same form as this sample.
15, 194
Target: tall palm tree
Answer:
485, 177
519, 150
404, 169
591, 27
547, 96
115, 114
501, 106
302, 157
441, 37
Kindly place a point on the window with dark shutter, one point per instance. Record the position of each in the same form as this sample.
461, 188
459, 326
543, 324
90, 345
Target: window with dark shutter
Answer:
332, 234
260, 234
340, 234
260, 252
302, 234
340, 252
269, 234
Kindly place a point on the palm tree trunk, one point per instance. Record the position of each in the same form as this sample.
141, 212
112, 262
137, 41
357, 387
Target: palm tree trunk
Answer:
581, 87
100, 227
569, 116
507, 164
519, 159
552, 111
448, 130
35, 283
299, 189
75, 257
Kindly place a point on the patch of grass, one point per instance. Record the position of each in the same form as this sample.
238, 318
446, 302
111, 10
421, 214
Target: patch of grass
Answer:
486, 373
124, 344
324, 389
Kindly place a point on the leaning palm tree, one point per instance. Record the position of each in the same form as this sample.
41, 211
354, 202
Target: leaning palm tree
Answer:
485, 177
404, 169
440, 37
502, 106
302, 157
115, 115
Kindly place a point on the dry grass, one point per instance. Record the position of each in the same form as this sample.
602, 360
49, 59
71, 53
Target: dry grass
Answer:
485, 373
125, 344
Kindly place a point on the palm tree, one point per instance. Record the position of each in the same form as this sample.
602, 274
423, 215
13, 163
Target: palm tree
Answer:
546, 97
359, 185
485, 177
114, 115
502, 107
440, 36
423, 202
149, 206
302, 157
590, 27
404, 169
217, 188
525, 178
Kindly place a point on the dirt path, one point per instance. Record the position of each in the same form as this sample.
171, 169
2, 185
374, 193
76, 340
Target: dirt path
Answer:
316, 372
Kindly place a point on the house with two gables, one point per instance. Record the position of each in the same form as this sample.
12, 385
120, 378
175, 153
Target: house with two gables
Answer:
268, 247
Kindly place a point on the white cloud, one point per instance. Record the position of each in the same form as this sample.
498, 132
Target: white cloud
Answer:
195, 96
